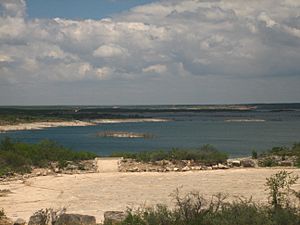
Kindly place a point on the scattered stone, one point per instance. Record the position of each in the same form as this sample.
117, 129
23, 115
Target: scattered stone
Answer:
215, 167
234, 163
114, 217
221, 166
38, 174
176, 169
286, 163
75, 219
209, 168
248, 163
20, 221
168, 169
186, 168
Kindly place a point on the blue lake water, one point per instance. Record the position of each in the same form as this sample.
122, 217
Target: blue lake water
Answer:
268, 128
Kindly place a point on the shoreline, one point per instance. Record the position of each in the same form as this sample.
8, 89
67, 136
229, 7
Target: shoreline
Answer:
74, 123
43, 125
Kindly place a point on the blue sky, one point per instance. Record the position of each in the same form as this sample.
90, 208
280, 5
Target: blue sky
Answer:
143, 52
79, 9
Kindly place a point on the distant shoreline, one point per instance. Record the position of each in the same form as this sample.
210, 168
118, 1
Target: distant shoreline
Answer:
75, 123
43, 125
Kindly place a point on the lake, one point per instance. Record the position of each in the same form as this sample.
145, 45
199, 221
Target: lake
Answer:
235, 132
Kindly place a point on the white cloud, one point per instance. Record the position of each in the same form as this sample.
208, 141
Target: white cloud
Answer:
5, 58
169, 38
13, 8
109, 51
155, 69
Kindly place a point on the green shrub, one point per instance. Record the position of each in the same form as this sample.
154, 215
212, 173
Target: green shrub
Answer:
193, 209
20, 157
279, 186
206, 154
268, 161
254, 154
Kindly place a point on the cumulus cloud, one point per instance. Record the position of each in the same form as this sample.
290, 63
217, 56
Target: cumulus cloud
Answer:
109, 51
168, 37
155, 69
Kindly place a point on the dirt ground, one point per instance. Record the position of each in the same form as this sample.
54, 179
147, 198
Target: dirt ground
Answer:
93, 194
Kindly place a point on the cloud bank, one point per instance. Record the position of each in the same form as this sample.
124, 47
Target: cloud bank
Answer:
162, 41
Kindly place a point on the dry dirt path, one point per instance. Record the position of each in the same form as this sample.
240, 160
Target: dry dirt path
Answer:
95, 193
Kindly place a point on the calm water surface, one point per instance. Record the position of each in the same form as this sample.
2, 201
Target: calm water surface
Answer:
268, 128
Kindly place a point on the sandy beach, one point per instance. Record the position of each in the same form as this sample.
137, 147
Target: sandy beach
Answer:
134, 120
93, 194
74, 123
43, 125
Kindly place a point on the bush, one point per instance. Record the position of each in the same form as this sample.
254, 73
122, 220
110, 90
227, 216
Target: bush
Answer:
20, 157
206, 154
193, 209
268, 161
279, 186
254, 154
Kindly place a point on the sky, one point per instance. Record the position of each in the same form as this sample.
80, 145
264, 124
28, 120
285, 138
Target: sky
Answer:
119, 52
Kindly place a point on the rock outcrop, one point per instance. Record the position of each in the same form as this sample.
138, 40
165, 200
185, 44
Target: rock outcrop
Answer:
20, 221
75, 219
248, 163
114, 217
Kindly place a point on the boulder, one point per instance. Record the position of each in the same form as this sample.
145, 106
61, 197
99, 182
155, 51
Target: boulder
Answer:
114, 217
215, 167
186, 168
248, 163
236, 163
20, 221
221, 166
45, 217
286, 163
75, 219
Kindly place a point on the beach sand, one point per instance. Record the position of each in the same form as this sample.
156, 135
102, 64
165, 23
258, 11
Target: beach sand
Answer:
43, 125
93, 194
74, 123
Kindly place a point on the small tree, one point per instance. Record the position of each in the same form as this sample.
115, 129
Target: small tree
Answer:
254, 154
279, 186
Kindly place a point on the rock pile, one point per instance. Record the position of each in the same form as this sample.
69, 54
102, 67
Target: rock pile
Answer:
130, 165
70, 167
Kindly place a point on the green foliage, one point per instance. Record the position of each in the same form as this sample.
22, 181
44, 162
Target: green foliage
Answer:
254, 154
268, 161
20, 157
279, 186
193, 209
206, 154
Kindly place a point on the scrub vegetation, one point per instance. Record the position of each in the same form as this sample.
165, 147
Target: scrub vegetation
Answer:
206, 154
194, 209
17, 157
